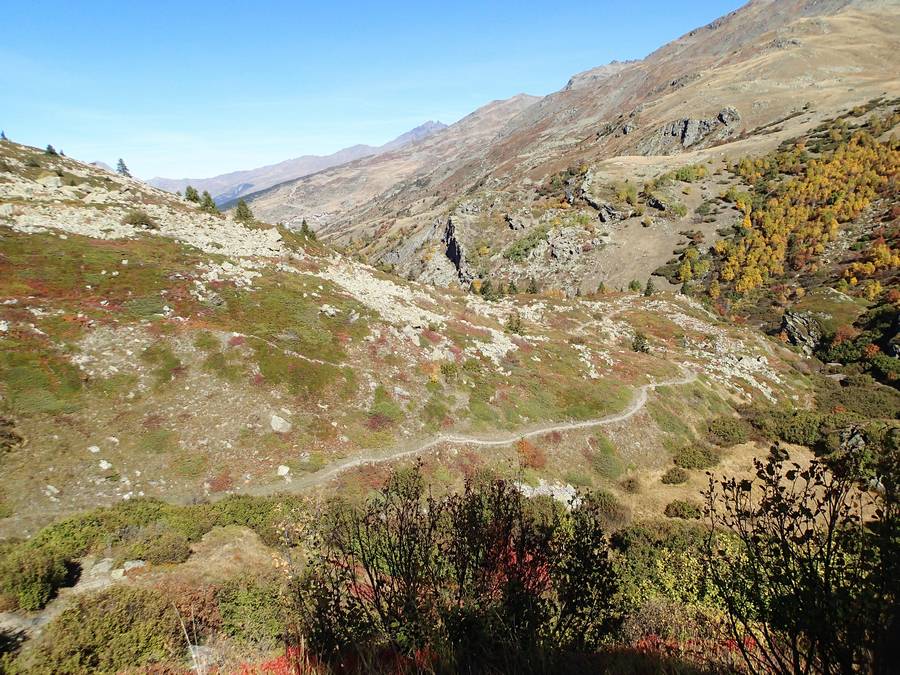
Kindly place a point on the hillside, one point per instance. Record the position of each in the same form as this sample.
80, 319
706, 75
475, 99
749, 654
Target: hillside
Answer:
230, 186
721, 92
158, 335
604, 381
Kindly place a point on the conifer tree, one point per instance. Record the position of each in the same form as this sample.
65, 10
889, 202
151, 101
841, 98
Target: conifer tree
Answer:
649, 289
306, 231
532, 287
242, 212
3, 135
191, 194
207, 203
513, 289
50, 150
121, 169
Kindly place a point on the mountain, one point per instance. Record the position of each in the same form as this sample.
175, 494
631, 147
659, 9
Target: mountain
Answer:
717, 93
230, 186
325, 197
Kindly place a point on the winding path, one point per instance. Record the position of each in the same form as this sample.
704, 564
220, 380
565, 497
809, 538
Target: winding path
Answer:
329, 472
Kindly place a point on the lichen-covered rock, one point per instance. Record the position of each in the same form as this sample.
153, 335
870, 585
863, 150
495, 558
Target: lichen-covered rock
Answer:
803, 330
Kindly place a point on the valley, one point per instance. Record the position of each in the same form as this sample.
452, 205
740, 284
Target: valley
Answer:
603, 380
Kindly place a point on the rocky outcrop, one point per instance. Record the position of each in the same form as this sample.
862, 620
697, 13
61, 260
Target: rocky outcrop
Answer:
689, 132
456, 252
803, 330
565, 245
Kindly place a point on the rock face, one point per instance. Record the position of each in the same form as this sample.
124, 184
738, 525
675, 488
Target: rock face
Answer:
803, 330
456, 253
690, 132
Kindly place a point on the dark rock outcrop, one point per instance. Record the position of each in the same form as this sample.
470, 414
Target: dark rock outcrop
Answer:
803, 330
456, 252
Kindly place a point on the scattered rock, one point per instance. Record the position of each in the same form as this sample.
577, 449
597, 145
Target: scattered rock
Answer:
283, 470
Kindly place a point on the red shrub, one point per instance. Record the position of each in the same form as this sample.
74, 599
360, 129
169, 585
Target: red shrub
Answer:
222, 482
530, 456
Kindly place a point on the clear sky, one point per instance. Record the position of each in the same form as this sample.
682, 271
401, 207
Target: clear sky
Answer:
193, 89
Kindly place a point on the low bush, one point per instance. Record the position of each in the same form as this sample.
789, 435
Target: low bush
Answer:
120, 628
610, 512
631, 485
138, 218
728, 431
696, 457
159, 545
675, 476
252, 610
30, 576
685, 510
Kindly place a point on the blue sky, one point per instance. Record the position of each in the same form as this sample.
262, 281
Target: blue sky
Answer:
193, 89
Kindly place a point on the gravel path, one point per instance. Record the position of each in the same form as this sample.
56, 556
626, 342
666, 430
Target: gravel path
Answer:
331, 471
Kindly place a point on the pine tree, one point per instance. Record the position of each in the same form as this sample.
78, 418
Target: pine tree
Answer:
207, 203
513, 289
649, 289
601, 288
3, 135
634, 285
191, 194
306, 231
50, 150
532, 287
242, 212
122, 170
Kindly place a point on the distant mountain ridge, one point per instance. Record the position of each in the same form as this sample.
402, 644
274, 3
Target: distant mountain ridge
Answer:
230, 186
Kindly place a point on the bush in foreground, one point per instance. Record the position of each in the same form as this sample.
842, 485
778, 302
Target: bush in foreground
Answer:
110, 631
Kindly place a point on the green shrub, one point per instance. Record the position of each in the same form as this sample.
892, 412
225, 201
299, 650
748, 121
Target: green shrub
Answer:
728, 431
519, 250
696, 457
120, 628
685, 510
30, 576
165, 362
252, 610
138, 218
675, 476
207, 341
160, 545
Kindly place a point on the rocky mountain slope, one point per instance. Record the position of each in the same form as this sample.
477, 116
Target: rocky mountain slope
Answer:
230, 186
718, 93
183, 355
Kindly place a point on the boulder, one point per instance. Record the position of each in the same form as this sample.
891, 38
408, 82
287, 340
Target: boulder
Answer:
50, 181
280, 425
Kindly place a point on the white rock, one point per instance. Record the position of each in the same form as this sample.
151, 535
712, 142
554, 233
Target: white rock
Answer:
280, 425
94, 449
104, 465
283, 470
